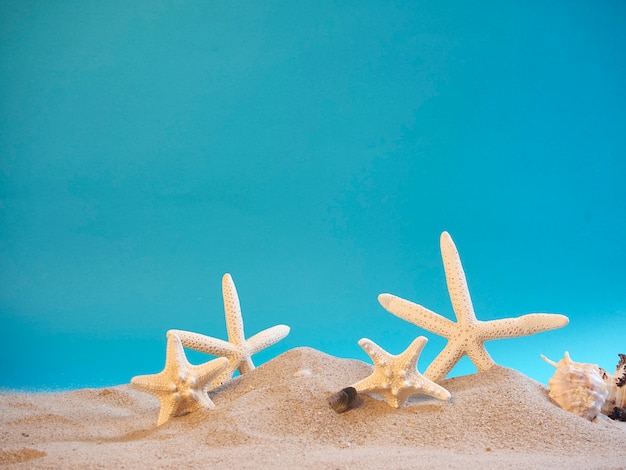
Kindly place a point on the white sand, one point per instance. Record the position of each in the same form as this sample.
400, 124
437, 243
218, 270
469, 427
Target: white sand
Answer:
277, 416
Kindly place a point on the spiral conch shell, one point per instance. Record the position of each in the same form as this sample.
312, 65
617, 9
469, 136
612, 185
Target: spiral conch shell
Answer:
615, 404
577, 387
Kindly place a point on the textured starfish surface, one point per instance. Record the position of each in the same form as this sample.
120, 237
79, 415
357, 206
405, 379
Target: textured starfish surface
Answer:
180, 387
396, 378
466, 336
238, 350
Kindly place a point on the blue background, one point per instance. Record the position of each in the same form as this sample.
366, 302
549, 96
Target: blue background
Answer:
315, 151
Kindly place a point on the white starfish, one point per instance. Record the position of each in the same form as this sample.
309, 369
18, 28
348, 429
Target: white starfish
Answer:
180, 387
396, 378
237, 349
468, 335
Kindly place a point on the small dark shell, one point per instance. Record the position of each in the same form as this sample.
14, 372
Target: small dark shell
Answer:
620, 380
618, 414
342, 400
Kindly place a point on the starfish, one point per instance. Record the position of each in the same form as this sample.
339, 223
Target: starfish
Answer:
468, 335
180, 387
237, 349
396, 378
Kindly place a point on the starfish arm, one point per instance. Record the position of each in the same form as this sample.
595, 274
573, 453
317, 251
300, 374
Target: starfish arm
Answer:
417, 315
480, 357
375, 352
232, 309
153, 383
375, 384
208, 371
369, 385
444, 362
203, 401
525, 325
245, 365
169, 408
226, 374
430, 388
412, 353
267, 338
397, 399
457, 283
205, 344
187, 401
175, 359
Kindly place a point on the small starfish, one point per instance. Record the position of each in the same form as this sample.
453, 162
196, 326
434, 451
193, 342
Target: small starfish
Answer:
180, 387
396, 378
237, 349
468, 335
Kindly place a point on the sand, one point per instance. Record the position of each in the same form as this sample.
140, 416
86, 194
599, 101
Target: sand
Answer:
277, 416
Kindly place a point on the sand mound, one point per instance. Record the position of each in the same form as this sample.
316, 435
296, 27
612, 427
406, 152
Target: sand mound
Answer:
278, 415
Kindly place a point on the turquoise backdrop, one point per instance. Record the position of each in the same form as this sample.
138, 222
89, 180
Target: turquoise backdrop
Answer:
315, 150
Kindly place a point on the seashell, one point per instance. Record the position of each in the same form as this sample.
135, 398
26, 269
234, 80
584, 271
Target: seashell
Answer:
577, 387
618, 414
615, 405
343, 399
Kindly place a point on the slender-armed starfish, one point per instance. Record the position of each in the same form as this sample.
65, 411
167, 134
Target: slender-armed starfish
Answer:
180, 387
237, 349
396, 378
468, 335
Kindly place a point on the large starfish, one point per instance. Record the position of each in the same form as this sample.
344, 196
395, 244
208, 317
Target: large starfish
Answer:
180, 387
468, 335
396, 378
237, 349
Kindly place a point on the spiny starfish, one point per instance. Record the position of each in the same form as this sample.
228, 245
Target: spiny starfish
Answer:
396, 378
237, 349
180, 387
468, 335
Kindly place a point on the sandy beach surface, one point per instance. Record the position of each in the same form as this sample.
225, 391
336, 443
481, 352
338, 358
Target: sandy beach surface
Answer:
277, 416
